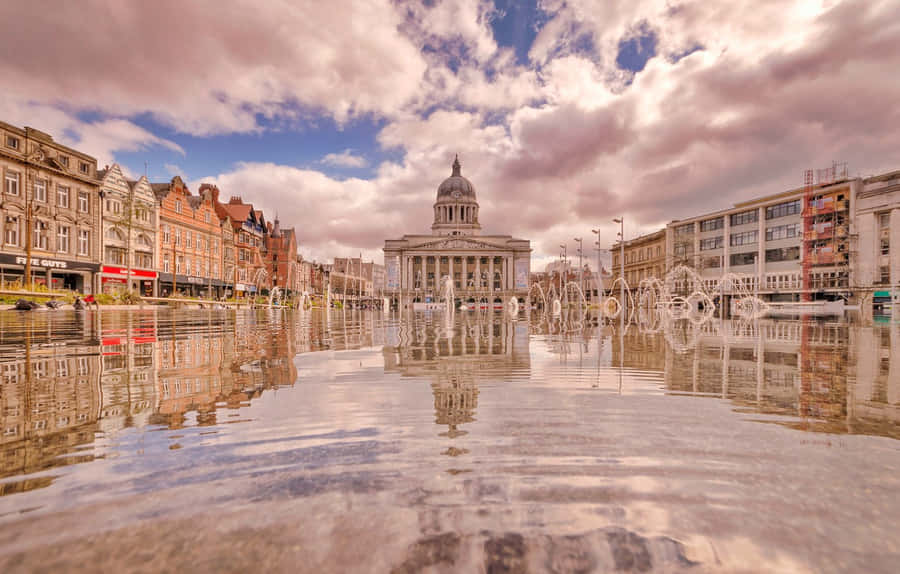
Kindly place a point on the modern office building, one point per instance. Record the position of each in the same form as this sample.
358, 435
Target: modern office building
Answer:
876, 269
784, 246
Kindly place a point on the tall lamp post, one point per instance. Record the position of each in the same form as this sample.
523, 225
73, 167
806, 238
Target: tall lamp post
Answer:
621, 222
580, 243
599, 268
562, 269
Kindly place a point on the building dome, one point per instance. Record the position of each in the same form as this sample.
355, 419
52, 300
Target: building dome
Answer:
456, 187
456, 209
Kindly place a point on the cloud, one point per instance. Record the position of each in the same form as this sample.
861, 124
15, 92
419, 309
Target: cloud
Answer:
345, 159
736, 100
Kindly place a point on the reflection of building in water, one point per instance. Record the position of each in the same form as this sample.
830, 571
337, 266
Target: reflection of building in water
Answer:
49, 406
643, 351
455, 357
875, 396
204, 368
128, 380
796, 368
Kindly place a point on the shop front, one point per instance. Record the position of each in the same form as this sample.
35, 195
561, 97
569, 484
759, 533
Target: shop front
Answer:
115, 279
188, 286
53, 273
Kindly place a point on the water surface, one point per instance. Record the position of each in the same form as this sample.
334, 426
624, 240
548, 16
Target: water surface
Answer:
316, 442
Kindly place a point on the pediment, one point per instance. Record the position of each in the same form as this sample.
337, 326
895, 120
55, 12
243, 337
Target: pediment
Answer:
456, 243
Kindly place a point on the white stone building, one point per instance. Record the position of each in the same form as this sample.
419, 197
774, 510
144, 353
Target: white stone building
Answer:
129, 233
876, 272
485, 269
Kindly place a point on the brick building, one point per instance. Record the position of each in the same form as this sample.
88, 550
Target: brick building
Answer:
190, 237
249, 228
281, 258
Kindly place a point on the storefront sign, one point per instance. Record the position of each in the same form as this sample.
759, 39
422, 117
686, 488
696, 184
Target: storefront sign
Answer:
123, 271
48, 263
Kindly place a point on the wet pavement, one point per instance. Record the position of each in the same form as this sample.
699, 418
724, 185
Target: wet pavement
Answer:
365, 442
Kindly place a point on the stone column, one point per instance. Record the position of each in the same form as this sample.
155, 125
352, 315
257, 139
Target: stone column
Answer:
450, 269
726, 244
463, 284
491, 274
478, 272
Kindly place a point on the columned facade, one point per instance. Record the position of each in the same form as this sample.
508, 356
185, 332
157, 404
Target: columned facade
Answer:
484, 270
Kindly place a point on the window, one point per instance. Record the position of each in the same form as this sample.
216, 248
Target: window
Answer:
884, 220
114, 234
114, 255
12, 142
177, 237
712, 224
745, 217
84, 168
11, 233
83, 202
783, 209
745, 238
684, 229
712, 243
144, 241
187, 266
179, 264
177, 206
743, 258
885, 274
62, 239
782, 232
62, 196
12, 183
166, 265
113, 206
63, 160
711, 262
885, 248
40, 190
206, 217
84, 241
215, 247
189, 240
39, 239
165, 229
143, 259
783, 254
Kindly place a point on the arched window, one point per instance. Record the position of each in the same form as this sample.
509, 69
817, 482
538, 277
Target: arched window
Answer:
114, 234
144, 241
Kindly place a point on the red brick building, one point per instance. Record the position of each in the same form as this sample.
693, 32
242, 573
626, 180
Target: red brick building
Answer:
189, 240
281, 258
251, 273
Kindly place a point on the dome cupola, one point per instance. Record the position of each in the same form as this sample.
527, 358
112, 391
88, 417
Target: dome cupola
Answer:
456, 209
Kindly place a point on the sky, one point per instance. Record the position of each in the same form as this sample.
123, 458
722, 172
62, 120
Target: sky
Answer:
343, 117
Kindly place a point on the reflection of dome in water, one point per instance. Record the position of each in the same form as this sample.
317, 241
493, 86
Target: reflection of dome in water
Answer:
455, 402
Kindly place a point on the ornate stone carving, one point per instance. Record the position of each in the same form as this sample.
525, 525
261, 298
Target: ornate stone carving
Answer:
456, 244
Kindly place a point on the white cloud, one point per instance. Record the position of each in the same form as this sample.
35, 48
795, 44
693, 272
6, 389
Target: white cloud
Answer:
345, 159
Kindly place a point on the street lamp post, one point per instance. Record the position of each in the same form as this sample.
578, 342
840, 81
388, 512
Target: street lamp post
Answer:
621, 222
580, 243
599, 268
562, 269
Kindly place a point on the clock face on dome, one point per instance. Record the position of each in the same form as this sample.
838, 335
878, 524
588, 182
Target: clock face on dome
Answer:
456, 194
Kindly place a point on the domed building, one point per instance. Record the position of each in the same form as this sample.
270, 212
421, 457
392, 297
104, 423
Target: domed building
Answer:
486, 270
